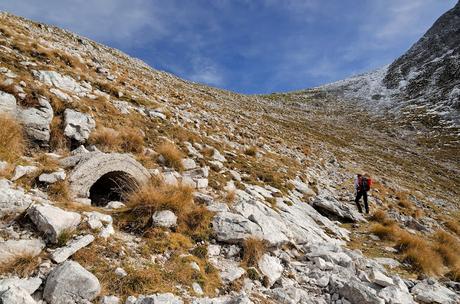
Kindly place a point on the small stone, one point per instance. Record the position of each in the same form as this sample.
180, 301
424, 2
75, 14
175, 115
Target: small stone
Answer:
165, 218
380, 279
115, 205
197, 288
110, 300
195, 266
121, 272
189, 164
61, 254
21, 171
271, 268
51, 178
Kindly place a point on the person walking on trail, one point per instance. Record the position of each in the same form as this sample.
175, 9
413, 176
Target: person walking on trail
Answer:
363, 184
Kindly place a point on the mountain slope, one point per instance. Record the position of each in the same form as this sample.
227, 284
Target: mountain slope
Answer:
250, 198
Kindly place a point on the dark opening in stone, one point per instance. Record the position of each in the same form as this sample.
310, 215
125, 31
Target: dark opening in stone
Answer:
112, 186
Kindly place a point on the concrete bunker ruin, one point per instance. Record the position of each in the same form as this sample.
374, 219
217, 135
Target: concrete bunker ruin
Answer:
104, 177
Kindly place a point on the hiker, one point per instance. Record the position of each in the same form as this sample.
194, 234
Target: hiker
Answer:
363, 184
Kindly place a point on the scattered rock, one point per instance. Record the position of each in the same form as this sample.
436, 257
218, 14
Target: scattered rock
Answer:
12, 200
11, 249
30, 285
197, 288
115, 205
16, 295
164, 218
70, 283
63, 253
234, 228
110, 300
51, 178
37, 120
21, 171
78, 125
161, 298
121, 272
425, 292
380, 279
52, 221
271, 268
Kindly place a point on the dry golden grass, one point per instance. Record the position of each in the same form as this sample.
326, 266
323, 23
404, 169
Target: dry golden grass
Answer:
253, 250
454, 226
11, 138
403, 200
131, 141
106, 139
419, 253
448, 247
389, 232
251, 151
172, 155
230, 197
59, 191
193, 219
47, 163
380, 216
22, 266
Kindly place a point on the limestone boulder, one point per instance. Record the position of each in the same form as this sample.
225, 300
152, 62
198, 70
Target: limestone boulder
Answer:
77, 125
234, 228
52, 221
330, 206
37, 120
63, 82
271, 268
53, 177
12, 200
11, 249
71, 283
395, 295
164, 218
7, 104
16, 295
30, 285
433, 292
63, 253
21, 171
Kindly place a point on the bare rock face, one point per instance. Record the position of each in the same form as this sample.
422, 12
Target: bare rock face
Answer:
12, 200
91, 167
71, 283
16, 295
77, 125
65, 83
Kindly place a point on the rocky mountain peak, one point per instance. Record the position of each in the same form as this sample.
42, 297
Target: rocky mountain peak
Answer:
430, 70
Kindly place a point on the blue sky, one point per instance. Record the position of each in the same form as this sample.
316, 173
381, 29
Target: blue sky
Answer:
247, 46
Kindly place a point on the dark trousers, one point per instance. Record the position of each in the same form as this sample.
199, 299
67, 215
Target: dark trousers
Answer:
358, 204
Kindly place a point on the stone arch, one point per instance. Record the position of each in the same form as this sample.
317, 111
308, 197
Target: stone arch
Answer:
103, 176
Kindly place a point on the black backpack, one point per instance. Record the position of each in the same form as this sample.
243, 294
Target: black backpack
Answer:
365, 184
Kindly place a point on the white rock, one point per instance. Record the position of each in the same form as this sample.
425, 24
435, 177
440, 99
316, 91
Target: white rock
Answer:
63, 253
65, 83
434, 293
12, 200
195, 266
234, 228
110, 300
164, 218
21, 171
51, 178
271, 268
115, 205
16, 295
37, 120
107, 231
213, 250
394, 295
235, 175
197, 288
218, 157
188, 181
121, 272
201, 183
78, 125
380, 279
52, 221
70, 283
188, 163
7, 104
30, 285
11, 249
61, 95
161, 298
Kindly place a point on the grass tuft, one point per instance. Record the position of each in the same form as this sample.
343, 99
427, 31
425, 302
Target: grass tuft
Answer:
253, 250
172, 155
22, 266
11, 138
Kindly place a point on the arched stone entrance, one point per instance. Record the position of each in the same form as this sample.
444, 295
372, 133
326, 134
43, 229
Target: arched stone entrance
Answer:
103, 177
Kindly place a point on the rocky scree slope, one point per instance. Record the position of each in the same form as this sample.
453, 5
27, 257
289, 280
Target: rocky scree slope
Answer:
248, 200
